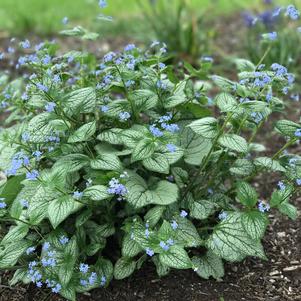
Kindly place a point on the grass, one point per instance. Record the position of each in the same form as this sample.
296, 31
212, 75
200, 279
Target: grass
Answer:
24, 17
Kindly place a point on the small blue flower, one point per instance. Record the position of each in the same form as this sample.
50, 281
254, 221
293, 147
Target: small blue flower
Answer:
2, 203
272, 36
56, 288
174, 225
37, 154
24, 203
298, 133
281, 185
263, 207
124, 116
102, 3
171, 147
49, 107
155, 131
65, 20
46, 246
63, 240
77, 195
42, 87
298, 182
146, 233
25, 44
104, 108
92, 279
170, 242
149, 252
84, 268
162, 65
164, 246
32, 175
103, 281
292, 12
30, 250
129, 47
223, 215
183, 213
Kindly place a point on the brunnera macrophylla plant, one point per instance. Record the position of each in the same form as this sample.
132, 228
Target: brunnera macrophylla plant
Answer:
111, 163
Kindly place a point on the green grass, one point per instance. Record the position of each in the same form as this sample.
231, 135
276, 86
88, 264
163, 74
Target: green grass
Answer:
24, 17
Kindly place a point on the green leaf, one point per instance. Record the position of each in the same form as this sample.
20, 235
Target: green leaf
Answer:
180, 176
97, 193
39, 128
162, 269
84, 133
157, 162
268, 163
230, 241
111, 136
66, 268
287, 127
254, 223
178, 96
246, 194
226, 102
234, 142
195, 147
80, 101
143, 150
242, 167
131, 137
72, 162
106, 162
144, 99
187, 233
15, 233
244, 65
206, 127
124, 267
59, 209
130, 248
288, 209
176, 257
201, 209
208, 265
139, 195
153, 216
11, 253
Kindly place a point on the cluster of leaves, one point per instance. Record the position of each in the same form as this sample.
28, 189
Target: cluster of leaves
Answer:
107, 164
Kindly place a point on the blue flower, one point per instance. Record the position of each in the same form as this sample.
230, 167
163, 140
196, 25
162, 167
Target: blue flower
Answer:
292, 12
171, 147
63, 240
124, 116
103, 280
170, 242
183, 213
174, 225
42, 87
281, 185
24, 203
263, 207
46, 246
298, 133
65, 20
272, 35
129, 47
56, 288
49, 107
223, 215
161, 85
102, 3
161, 65
298, 182
32, 175
115, 187
46, 59
92, 278
84, 268
2, 203
37, 154
164, 246
155, 131
25, 44
146, 233
77, 195
149, 252
104, 108
30, 250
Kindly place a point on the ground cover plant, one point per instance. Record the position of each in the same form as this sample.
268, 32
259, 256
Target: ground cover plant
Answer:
111, 163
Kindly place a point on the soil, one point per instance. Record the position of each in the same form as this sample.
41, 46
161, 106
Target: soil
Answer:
278, 278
